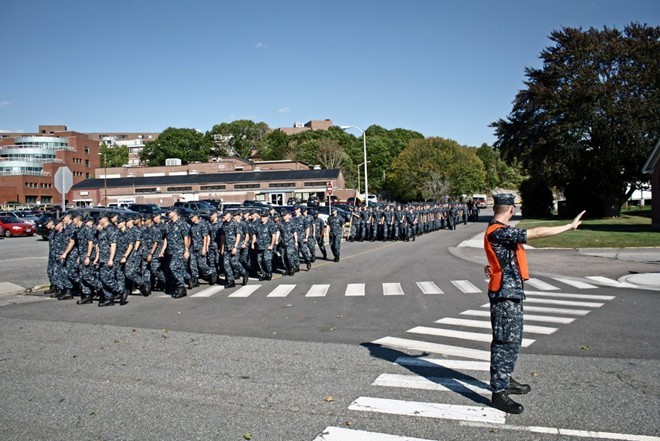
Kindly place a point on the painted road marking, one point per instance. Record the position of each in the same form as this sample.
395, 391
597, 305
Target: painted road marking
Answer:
467, 365
563, 295
485, 324
392, 289
281, 291
465, 286
575, 283
526, 317
245, 291
355, 289
540, 284
208, 292
564, 303
474, 336
317, 291
429, 288
439, 384
435, 348
343, 434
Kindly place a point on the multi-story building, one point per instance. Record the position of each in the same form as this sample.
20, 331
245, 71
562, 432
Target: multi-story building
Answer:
29, 161
134, 141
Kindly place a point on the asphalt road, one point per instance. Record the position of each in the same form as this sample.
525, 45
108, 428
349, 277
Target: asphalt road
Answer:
289, 368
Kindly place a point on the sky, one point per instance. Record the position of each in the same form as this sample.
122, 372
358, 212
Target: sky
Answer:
439, 67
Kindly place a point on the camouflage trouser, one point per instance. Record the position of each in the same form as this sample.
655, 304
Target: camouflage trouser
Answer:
133, 269
232, 266
73, 267
311, 243
177, 269
265, 261
319, 241
335, 244
199, 264
155, 270
60, 276
303, 247
89, 279
109, 283
214, 259
506, 318
290, 256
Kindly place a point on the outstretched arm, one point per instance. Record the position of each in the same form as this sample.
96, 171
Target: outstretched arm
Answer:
539, 232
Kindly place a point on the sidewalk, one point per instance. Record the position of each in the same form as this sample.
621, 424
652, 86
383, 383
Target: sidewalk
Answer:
637, 266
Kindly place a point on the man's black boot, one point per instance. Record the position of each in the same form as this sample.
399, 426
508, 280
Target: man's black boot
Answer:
230, 284
245, 279
145, 290
213, 278
336, 258
502, 402
309, 266
107, 302
269, 276
67, 295
51, 290
85, 300
180, 292
194, 283
516, 388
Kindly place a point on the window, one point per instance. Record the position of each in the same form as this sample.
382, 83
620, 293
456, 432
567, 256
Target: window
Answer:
213, 187
87, 150
246, 186
179, 188
282, 185
314, 184
146, 190
86, 162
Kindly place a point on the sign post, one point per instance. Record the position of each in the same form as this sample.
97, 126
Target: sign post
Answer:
328, 189
63, 183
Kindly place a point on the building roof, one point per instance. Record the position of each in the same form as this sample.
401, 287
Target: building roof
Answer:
211, 178
653, 159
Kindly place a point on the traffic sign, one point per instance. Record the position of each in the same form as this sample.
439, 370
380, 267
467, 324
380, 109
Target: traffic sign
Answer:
63, 179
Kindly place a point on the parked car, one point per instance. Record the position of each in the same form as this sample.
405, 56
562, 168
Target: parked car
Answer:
199, 206
145, 208
13, 226
255, 203
24, 215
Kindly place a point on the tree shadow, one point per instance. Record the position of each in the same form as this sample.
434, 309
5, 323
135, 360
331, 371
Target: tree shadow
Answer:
453, 380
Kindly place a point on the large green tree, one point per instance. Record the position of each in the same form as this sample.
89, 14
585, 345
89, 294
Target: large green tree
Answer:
189, 145
499, 174
589, 117
435, 168
237, 138
116, 156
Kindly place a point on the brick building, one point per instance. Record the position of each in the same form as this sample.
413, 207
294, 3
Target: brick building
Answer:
29, 161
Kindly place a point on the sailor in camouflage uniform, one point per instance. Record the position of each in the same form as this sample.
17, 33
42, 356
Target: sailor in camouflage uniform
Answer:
231, 243
199, 243
507, 269
318, 225
155, 256
86, 241
177, 248
264, 239
289, 237
59, 243
106, 260
336, 226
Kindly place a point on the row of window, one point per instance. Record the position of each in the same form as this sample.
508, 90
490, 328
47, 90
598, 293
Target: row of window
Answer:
224, 187
80, 161
38, 185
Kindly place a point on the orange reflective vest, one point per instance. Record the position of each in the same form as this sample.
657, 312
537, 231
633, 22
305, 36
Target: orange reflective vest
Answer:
495, 282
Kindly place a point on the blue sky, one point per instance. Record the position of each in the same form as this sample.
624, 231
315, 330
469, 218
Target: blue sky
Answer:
442, 68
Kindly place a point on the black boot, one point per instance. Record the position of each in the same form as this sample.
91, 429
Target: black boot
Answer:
107, 302
502, 402
85, 300
309, 266
516, 388
180, 292
66, 295
245, 279
124, 296
213, 279
194, 283
51, 290
57, 293
230, 284
336, 258
269, 276
325, 255
145, 290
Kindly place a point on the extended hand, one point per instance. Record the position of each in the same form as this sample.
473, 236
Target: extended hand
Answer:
576, 222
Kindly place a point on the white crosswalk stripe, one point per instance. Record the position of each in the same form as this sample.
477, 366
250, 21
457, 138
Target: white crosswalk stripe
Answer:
434, 348
563, 302
208, 292
465, 286
557, 310
392, 289
281, 291
355, 290
429, 288
244, 291
474, 336
438, 384
342, 434
540, 284
563, 295
485, 324
609, 282
575, 283
427, 362
317, 291
527, 317
429, 410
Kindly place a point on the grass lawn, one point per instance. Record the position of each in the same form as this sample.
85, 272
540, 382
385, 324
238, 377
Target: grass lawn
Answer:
632, 229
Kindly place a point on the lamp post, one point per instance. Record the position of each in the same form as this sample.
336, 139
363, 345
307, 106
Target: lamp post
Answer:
364, 143
105, 180
358, 180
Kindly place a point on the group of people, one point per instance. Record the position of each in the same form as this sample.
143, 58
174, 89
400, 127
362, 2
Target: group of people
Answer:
116, 253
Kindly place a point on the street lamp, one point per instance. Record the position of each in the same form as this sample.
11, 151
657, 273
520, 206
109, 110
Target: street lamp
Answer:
364, 142
358, 180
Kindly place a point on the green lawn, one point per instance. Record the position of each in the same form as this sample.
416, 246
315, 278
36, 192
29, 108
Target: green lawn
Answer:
632, 229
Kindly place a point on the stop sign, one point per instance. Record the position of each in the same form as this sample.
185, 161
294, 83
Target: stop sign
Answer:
63, 179
329, 188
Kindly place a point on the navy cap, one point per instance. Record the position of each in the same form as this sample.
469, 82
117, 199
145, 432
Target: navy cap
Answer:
284, 212
504, 199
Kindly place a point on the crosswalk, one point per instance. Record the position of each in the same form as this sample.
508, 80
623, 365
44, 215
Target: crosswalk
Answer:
460, 364
548, 288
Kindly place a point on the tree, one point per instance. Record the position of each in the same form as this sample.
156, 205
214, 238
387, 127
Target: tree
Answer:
331, 155
237, 138
433, 168
588, 119
499, 174
189, 145
116, 156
